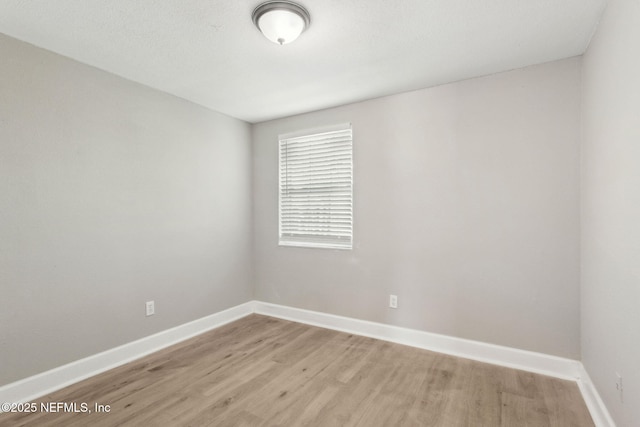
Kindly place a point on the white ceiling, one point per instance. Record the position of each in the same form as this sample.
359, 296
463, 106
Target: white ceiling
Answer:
209, 52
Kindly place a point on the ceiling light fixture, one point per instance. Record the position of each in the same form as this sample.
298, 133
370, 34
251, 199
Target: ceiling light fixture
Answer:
281, 21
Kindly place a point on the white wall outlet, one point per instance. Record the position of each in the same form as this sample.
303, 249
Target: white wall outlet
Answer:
393, 301
619, 385
151, 308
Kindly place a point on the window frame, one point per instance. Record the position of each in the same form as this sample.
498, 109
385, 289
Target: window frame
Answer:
328, 240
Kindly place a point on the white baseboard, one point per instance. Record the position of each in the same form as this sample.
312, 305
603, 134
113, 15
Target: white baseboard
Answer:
41, 384
498, 355
529, 361
599, 412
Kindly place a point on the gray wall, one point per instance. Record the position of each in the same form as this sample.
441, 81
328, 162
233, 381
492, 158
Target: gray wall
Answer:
466, 207
111, 194
611, 209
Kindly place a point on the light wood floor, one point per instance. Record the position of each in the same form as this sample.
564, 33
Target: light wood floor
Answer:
260, 371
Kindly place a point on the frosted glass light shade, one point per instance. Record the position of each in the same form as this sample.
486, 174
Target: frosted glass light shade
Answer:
280, 21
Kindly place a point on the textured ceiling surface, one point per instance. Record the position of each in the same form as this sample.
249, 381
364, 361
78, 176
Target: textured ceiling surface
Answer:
209, 52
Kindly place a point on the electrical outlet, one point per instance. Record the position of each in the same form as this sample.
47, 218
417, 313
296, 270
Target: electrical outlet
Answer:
151, 308
619, 385
393, 301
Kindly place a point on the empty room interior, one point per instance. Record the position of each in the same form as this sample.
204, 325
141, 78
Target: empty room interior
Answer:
420, 212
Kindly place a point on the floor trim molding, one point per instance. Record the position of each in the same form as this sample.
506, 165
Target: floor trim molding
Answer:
47, 382
599, 412
498, 355
538, 363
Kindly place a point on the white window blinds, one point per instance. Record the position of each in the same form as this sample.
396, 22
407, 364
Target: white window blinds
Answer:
316, 191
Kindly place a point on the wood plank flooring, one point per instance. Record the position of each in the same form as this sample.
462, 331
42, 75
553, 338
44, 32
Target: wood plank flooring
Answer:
261, 371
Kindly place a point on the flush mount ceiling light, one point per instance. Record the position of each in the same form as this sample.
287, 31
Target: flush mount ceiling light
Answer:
281, 21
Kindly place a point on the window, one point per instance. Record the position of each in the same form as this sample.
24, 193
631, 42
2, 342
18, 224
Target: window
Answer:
316, 188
